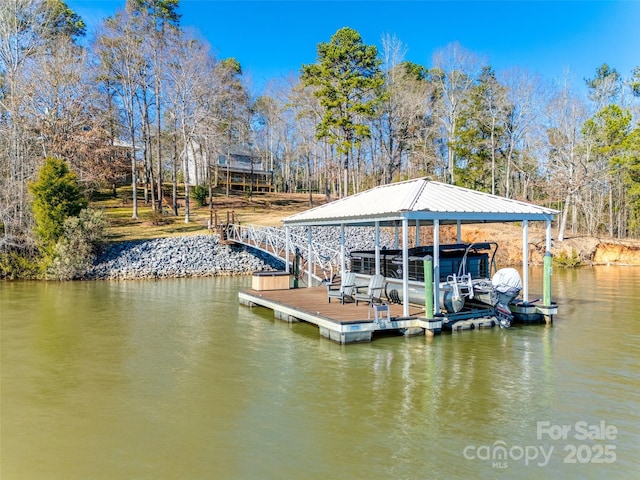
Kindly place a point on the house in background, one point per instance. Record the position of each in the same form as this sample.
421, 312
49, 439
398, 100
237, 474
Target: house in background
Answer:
238, 166
120, 158
241, 168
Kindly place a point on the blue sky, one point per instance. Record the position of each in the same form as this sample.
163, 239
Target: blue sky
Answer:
273, 38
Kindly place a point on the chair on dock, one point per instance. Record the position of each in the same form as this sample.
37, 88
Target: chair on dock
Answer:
343, 290
374, 291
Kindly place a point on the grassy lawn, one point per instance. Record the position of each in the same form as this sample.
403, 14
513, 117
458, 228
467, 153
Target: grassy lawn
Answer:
265, 209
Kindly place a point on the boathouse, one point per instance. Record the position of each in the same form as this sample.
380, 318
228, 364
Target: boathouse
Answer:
422, 202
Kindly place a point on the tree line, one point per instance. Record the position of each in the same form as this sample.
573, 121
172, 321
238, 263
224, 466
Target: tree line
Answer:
146, 101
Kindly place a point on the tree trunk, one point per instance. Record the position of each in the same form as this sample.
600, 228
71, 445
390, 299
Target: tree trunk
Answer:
134, 175
563, 221
158, 129
493, 157
611, 227
174, 179
345, 176
187, 180
187, 210
451, 162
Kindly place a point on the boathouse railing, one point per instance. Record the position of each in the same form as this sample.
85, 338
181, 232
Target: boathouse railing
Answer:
325, 260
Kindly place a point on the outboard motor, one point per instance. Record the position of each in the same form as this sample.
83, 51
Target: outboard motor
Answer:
503, 315
507, 284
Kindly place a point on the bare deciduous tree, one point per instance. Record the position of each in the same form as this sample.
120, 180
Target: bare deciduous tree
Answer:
454, 74
119, 49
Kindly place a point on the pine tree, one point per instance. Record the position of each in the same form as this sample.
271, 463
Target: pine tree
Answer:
348, 78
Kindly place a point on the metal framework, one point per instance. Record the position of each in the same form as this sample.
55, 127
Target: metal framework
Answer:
321, 261
424, 202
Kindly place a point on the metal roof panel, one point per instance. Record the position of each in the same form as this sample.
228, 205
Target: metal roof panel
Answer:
421, 199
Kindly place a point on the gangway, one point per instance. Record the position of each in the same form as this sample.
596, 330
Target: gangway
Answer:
320, 263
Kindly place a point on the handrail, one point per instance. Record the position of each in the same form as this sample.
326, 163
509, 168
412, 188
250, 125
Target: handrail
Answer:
272, 240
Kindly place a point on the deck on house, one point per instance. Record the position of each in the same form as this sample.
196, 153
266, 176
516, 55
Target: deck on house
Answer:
344, 323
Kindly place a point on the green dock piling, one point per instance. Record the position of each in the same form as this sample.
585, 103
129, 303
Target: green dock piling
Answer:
428, 286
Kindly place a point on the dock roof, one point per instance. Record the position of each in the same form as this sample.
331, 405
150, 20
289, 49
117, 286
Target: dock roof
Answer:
421, 200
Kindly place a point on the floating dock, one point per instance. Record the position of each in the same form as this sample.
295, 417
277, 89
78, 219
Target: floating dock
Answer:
349, 323
343, 323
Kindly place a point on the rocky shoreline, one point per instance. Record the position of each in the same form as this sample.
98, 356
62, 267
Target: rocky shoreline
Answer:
203, 256
176, 257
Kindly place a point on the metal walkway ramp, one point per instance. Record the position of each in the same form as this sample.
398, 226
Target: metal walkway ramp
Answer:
318, 263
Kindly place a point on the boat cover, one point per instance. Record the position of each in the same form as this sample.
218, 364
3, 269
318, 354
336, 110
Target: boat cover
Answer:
506, 279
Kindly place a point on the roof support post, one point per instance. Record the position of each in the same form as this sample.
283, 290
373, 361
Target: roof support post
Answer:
459, 231
287, 248
377, 248
309, 258
547, 272
405, 267
525, 260
436, 266
397, 240
342, 253
417, 233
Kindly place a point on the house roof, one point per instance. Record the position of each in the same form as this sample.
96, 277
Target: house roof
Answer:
240, 151
240, 158
420, 199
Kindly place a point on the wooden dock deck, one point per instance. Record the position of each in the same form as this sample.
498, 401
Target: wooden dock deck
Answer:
344, 323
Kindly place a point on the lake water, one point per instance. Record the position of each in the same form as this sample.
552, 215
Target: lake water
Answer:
175, 380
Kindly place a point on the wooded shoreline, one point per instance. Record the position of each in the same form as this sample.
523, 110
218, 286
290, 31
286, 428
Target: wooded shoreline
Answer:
147, 102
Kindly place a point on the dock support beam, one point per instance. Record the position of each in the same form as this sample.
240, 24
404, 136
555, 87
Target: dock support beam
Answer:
377, 247
310, 258
546, 283
548, 271
287, 249
525, 261
342, 254
436, 265
405, 267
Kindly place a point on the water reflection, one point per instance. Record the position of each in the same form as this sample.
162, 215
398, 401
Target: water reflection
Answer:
174, 379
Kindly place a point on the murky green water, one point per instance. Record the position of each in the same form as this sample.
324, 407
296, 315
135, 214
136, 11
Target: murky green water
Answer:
175, 380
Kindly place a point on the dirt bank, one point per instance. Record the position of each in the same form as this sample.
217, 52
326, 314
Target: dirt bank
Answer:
572, 251
598, 251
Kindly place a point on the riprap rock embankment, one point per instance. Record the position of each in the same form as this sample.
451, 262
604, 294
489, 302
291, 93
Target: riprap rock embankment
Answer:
175, 257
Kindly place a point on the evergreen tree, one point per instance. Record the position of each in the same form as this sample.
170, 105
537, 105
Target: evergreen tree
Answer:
347, 76
634, 82
56, 196
611, 152
605, 87
627, 164
479, 133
